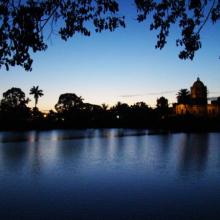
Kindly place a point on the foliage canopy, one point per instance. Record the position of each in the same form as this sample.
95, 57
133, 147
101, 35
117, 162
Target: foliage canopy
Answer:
14, 98
68, 102
22, 23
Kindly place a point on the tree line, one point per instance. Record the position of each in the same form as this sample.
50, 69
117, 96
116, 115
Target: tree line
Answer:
72, 112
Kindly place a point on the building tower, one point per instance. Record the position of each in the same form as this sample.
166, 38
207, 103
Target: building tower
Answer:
198, 93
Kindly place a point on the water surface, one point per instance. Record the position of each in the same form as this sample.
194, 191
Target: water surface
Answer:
109, 174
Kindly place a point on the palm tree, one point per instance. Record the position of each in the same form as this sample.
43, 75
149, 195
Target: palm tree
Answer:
104, 107
183, 96
37, 93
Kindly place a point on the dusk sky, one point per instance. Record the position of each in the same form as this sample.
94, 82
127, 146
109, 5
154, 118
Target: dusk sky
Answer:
105, 67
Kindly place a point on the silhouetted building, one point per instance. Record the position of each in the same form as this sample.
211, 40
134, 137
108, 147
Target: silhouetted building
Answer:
198, 102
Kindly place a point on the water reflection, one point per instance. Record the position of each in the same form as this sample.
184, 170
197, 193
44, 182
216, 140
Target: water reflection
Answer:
35, 154
14, 157
194, 153
164, 152
109, 174
9, 137
164, 141
188, 151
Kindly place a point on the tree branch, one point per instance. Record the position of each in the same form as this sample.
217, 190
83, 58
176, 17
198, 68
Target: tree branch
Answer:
207, 17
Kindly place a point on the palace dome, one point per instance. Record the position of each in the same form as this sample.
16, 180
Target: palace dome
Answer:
198, 84
199, 92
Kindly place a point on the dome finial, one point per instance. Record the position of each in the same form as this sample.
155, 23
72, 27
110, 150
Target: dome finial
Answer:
198, 79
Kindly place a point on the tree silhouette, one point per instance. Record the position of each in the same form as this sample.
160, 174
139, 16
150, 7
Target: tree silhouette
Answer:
13, 108
121, 112
140, 106
183, 96
37, 93
162, 103
191, 17
14, 98
162, 108
23, 22
104, 106
68, 102
121, 108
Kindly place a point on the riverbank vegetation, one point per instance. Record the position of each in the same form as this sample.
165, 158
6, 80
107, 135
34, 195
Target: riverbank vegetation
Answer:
72, 112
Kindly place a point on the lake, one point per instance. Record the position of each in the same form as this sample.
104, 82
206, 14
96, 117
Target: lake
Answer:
108, 174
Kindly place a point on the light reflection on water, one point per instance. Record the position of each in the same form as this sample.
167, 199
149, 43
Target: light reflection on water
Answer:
109, 174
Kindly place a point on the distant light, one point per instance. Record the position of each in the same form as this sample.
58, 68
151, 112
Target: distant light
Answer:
117, 116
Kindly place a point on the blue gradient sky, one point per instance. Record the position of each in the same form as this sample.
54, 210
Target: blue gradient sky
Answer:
104, 67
